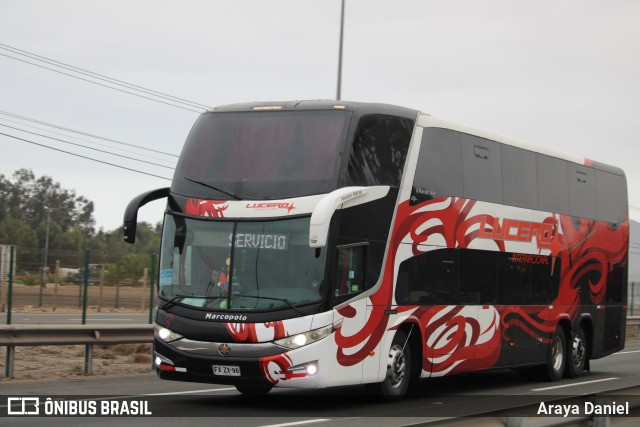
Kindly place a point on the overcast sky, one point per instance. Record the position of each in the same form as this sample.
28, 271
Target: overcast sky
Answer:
560, 74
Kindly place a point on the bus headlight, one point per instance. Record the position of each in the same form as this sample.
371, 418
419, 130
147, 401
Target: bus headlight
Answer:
165, 334
299, 340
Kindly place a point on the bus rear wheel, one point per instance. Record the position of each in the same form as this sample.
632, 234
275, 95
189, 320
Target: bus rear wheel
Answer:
578, 348
398, 374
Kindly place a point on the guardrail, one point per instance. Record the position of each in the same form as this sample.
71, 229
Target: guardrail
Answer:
634, 321
87, 335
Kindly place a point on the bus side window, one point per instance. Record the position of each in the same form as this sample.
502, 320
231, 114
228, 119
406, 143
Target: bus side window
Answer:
477, 277
379, 150
514, 280
350, 271
429, 278
447, 281
439, 170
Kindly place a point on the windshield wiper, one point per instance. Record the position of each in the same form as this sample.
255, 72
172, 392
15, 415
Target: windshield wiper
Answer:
174, 300
204, 184
275, 299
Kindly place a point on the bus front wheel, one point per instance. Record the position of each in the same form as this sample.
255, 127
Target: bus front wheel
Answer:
556, 356
398, 374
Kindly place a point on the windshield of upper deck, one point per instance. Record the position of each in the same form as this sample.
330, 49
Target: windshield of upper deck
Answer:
263, 155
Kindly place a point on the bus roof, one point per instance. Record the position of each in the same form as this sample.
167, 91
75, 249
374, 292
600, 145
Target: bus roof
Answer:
423, 119
360, 108
427, 120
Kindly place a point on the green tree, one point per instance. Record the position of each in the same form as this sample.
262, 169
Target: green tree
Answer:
133, 265
15, 231
71, 228
25, 197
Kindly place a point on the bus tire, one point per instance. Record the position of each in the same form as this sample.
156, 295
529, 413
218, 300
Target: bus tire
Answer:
577, 347
556, 356
254, 390
398, 375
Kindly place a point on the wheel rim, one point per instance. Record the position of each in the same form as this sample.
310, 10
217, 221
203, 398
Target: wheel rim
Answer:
578, 352
396, 366
557, 354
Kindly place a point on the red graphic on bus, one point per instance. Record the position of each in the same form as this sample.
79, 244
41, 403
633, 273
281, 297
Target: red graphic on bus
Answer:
206, 208
587, 258
275, 368
248, 332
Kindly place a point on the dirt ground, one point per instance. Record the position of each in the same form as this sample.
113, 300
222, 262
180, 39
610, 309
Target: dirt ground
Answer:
51, 362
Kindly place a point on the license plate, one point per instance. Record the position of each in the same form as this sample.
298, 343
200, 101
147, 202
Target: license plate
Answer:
226, 370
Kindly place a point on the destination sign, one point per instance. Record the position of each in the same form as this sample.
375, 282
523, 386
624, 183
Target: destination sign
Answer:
278, 242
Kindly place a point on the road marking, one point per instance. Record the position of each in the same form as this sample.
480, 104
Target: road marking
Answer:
297, 423
119, 319
628, 352
190, 391
574, 384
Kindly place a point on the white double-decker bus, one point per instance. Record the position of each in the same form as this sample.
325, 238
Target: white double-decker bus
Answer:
325, 243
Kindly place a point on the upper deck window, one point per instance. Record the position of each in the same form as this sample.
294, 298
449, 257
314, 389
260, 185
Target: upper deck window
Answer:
263, 154
379, 150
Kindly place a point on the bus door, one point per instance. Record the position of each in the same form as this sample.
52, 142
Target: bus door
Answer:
350, 281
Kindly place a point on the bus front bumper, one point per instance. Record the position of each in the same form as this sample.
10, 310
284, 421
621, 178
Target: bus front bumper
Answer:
275, 366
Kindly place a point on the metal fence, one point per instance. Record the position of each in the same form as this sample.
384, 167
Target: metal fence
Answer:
74, 281
633, 299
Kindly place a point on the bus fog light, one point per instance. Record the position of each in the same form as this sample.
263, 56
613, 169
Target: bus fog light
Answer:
162, 360
312, 369
306, 369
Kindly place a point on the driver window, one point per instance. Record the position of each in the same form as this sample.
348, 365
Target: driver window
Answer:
350, 272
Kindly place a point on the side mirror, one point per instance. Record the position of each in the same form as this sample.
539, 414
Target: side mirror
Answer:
131, 212
339, 199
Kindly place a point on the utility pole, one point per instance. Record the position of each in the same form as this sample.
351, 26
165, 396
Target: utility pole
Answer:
46, 255
338, 93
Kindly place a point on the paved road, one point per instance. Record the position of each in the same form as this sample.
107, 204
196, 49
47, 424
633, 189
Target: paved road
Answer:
73, 318
337, 407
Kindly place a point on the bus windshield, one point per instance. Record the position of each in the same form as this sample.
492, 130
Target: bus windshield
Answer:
263, 265
262, 155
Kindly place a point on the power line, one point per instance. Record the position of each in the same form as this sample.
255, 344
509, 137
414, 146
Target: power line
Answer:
28, 119
83, 140
99, 76
85, 157
100, 84
88, 148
